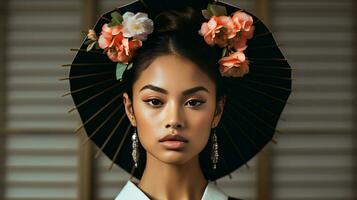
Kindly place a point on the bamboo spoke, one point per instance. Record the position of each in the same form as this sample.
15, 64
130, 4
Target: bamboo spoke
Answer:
265, 94
120, 146
235, 146
255, 116
86, 64
253, 125
84, 76
92, 97
258, 105
266, 84
86, 87
99, 111
102, 124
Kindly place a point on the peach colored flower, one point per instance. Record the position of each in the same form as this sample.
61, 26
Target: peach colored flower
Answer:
123, 50
234, 65
242, 21
117, 47
218, 30
108, 34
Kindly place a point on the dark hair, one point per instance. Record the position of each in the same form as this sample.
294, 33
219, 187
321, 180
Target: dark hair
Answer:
176, 32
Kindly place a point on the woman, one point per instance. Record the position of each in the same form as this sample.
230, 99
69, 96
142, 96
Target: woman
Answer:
197, 108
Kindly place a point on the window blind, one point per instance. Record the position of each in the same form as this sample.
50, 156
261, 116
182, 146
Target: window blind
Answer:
41, 161
314, 158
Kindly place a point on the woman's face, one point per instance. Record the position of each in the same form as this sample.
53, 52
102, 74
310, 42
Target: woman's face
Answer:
173, 97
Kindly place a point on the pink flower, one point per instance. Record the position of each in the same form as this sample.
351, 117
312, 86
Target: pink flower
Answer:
123, 51
234, 65
118, 48
245, 30
108, 34
218, 30
242, 21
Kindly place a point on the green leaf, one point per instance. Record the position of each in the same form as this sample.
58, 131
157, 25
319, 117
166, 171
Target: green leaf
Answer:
224, 52
217, 10
120, 70
97, 45
91, 45
111, 24
116, 17
207, 14
130, 65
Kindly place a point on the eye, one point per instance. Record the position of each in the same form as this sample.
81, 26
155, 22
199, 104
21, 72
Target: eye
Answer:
155, 102
195, 102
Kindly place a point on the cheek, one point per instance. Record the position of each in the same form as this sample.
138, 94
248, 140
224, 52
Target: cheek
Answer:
147, 127
200, 123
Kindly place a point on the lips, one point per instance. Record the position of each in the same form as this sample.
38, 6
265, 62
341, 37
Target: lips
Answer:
173, 142
171, 137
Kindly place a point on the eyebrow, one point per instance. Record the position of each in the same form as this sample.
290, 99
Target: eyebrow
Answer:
184, 93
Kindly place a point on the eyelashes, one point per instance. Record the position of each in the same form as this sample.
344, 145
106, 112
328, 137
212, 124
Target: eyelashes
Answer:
157, 103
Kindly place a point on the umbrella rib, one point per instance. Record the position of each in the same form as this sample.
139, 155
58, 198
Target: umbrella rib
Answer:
266, 59
235, 145
243, 133
262, 34
85, 88
259, 105
263, 47
120, 146
256, 117
247, 120
266, 84
269, 67
276, 77
86, 51
265, 94
102, 124
84, 76
85, 64
109, 137
92, 97
100, 110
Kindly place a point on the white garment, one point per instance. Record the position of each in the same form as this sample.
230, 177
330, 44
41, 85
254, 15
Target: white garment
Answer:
132, 192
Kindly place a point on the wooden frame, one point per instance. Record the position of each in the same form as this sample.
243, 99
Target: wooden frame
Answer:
264, 168
86, 159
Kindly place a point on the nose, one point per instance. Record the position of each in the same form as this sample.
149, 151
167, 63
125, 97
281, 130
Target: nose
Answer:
174, 116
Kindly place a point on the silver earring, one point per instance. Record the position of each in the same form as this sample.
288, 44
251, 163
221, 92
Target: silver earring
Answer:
135, 145
214, 153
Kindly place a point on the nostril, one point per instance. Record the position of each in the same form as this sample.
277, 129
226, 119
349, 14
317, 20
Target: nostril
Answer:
174, 125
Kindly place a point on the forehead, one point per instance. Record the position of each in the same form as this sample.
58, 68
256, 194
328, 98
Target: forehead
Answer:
174, 74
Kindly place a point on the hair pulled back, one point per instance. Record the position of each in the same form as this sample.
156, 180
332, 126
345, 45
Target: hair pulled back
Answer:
176, 33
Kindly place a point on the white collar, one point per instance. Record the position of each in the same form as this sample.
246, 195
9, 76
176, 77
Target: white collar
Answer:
132, 191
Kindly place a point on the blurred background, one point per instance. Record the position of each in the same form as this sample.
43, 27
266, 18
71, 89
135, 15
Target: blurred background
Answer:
42, 159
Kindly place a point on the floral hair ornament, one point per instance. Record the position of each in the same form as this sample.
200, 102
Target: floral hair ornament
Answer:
230, 33
121, 38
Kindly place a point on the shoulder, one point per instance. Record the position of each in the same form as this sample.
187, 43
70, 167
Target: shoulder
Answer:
233, 198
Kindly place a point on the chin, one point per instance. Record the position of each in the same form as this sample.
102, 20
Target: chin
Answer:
175, 157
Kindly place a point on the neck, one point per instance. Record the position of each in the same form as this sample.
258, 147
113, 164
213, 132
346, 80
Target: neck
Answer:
168, 181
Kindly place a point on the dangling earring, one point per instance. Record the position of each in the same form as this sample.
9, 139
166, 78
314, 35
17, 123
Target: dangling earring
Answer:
135, 145
214, 153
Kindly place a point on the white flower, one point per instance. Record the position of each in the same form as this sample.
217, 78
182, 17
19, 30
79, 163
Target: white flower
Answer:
137, 26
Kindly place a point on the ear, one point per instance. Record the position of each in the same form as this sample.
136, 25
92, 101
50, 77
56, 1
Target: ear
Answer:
129, 108
218, 112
